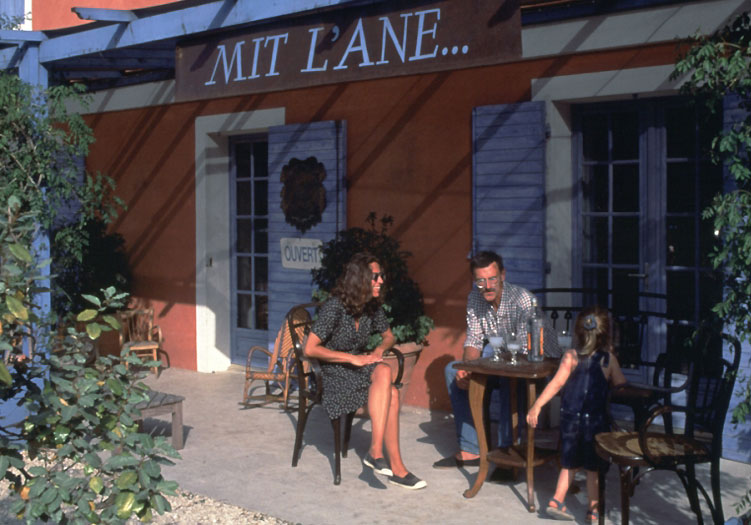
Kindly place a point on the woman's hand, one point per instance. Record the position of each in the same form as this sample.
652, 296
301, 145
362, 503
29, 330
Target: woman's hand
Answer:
366, 359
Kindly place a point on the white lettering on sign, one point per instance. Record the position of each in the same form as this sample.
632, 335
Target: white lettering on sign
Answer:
358, 44
388, 38
301, 254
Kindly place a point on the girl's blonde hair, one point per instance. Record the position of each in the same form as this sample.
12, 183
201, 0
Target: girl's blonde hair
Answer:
592, 330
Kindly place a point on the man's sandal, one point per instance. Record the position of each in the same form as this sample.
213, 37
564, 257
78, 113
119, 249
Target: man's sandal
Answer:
558, 511
593, 516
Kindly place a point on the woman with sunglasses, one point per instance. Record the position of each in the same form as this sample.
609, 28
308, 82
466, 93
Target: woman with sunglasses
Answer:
351, 375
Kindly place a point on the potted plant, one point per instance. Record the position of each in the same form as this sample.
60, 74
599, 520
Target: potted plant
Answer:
403, 301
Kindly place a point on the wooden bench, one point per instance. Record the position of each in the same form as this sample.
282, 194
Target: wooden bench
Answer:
160, 403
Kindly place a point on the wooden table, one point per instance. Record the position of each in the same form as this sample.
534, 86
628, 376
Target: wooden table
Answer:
523, 455
160, 403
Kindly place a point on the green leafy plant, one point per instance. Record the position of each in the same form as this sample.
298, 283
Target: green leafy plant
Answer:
403, 300
76, 456
717, 66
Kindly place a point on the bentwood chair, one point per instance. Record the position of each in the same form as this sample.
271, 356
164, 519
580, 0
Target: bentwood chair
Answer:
712, 368
140, 336
280, 362
310, 383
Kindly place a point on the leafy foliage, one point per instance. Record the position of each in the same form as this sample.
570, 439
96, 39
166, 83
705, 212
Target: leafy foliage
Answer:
77, 456
717, 66
403, 300
102, 263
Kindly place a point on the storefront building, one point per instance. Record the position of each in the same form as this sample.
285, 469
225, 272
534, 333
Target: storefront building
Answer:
550, 132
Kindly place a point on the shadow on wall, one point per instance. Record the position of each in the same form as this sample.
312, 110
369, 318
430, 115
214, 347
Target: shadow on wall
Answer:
435, 383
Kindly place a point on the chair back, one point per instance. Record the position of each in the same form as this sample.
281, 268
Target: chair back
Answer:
294, 328
136, 325
562, 305
712, 372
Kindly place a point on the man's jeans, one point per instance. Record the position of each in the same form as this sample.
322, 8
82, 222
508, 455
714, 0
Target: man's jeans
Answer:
498, 409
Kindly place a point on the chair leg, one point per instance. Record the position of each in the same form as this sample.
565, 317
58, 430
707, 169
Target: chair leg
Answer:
717, 513
302, 417
601, 495
625, 473
337, 450
347, 433
692, 492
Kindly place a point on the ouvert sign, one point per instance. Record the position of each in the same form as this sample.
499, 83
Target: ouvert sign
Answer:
378, 40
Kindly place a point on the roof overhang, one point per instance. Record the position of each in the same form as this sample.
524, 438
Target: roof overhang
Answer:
125, 47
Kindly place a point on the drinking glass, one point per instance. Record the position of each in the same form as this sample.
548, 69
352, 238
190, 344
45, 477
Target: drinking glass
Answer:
514, 346
496, 341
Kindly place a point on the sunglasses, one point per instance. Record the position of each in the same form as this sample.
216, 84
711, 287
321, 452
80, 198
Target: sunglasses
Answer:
377, 275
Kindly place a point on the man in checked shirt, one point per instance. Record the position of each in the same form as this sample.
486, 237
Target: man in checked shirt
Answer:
493, 305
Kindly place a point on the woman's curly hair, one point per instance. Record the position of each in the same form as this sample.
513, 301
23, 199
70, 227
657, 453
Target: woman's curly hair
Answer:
353, 288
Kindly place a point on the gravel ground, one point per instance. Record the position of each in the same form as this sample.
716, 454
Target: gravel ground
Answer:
187, 509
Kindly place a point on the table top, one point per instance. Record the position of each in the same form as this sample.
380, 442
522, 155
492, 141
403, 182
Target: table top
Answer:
522, 369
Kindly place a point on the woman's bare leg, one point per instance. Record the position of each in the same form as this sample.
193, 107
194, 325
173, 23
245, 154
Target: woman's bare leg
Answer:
379, 400
383, 406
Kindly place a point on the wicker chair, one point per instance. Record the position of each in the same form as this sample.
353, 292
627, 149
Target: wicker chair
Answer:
281, 361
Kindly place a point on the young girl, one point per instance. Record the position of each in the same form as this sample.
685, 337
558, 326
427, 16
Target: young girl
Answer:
585, 377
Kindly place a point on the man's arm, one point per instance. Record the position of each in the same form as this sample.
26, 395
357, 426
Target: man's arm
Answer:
462, 376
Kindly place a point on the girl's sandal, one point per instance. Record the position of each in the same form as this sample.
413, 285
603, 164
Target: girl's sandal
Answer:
593, 516
558, 511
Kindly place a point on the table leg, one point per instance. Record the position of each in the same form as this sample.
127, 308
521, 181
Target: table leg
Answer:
477, 383
177, 426
531, 396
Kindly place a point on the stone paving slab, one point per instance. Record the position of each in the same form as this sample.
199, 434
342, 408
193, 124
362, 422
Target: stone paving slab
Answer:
243, 457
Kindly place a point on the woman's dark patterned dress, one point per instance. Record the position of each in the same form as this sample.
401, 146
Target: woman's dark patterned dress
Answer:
584, 412
345, 387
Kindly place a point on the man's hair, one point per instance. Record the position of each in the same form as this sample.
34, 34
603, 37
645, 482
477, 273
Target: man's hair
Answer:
484, 259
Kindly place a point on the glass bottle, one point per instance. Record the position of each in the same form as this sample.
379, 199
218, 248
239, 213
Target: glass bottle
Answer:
535, 333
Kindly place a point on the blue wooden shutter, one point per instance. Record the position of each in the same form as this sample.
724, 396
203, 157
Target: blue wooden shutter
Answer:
508, 186
736, 441
326, 141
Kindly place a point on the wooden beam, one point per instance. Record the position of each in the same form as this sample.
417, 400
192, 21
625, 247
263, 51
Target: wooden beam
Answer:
177, 23
16, 36
104, 15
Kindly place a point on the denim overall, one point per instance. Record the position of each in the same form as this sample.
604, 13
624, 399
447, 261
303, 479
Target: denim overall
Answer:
583, 412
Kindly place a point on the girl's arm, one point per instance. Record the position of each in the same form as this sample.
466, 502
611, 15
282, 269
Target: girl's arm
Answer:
559, 379
614, 372
314, 348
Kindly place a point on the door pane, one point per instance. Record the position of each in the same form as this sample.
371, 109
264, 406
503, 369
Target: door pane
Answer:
243, 197
244, 311
594, 138
625, 135
680, 132
681, 188
596, 240
596, 188
626, 187
244, 273
681, 241
250, 258
626, 240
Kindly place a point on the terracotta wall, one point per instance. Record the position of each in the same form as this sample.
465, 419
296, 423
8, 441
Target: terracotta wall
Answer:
54, 14
409, 156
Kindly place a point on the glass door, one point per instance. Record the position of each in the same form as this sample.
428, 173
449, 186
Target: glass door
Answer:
644, 178
249, 253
